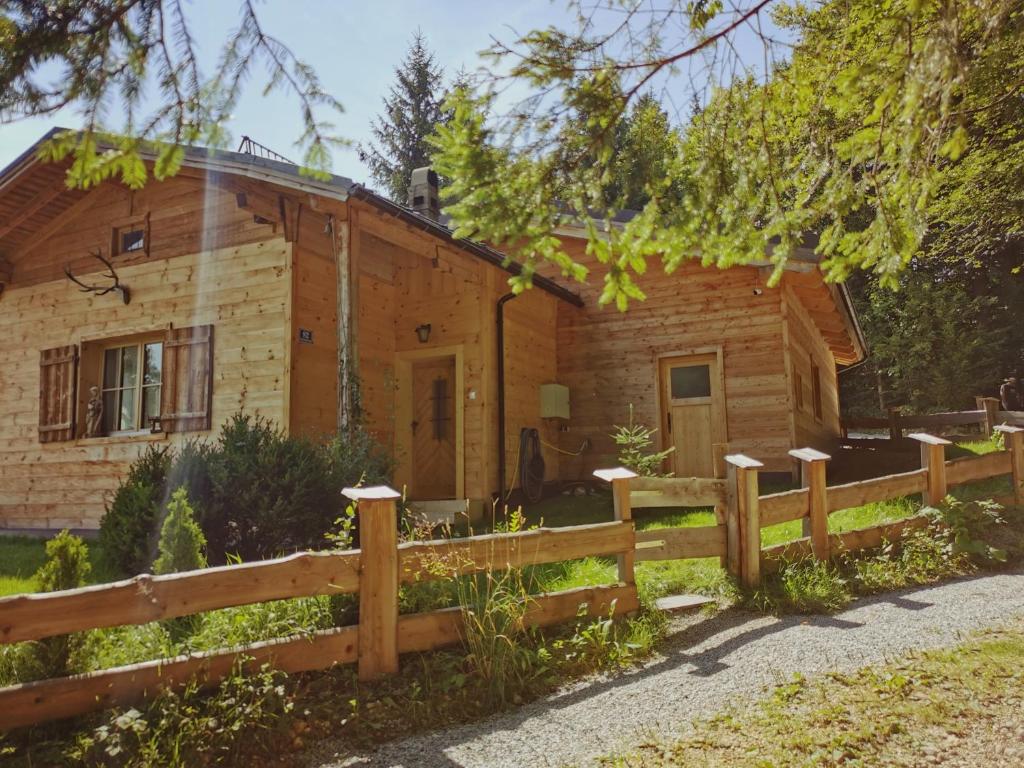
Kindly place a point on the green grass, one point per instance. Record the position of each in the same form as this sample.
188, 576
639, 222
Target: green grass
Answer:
944, 703
21, 557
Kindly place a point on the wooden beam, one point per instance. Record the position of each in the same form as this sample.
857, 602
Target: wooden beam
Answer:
378, 587
425, 560
933, 458
41, 198
812, 475
64, 218
146, 598
1013, 437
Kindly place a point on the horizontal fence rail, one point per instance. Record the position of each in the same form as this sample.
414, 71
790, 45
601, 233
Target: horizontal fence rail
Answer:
373, 571
876, 489
987, 416
421, 561
146, 598
681, 543
676, 492
376, 571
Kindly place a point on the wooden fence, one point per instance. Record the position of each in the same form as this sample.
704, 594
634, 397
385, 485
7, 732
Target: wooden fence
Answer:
987, 416
377, 570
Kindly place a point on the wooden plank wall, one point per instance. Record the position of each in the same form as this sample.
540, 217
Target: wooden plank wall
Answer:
376, 335
240, 285
446, 291
314, 366
608, 359
407, 278
806, 347
530, 360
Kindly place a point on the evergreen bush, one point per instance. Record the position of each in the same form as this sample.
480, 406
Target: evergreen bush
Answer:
255, 492
128, 528
66, 567
635, 441
181, 540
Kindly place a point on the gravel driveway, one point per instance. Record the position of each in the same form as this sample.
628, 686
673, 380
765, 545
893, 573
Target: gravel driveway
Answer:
703, 664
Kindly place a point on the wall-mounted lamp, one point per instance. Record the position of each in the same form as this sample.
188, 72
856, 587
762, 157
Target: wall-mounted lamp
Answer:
423, 333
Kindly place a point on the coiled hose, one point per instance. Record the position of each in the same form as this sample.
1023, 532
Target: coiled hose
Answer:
531, 464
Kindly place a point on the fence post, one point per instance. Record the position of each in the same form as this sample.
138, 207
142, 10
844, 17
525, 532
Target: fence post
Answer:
378, 580
895, 430
619, 478
933, 458
718, 451
990, 405
812, 476
743, 520
1013, 437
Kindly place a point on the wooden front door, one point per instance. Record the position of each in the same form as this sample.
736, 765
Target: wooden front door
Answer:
692, 412
433, 429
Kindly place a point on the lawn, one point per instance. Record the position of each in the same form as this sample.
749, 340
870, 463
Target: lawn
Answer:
961, 705
20, 558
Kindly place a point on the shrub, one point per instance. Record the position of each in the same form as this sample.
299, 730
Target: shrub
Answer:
242, 719
255, 492
66, 567
635, 453
181, 540
268, 493
803, 586
128, 528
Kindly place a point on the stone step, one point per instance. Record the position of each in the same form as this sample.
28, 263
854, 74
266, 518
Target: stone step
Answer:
682, 603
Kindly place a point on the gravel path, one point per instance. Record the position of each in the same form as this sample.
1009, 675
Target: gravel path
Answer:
702, 665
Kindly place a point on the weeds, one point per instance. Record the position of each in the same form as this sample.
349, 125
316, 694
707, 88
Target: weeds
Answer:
248, 716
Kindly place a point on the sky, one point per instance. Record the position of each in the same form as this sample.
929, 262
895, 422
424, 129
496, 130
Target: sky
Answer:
353, 46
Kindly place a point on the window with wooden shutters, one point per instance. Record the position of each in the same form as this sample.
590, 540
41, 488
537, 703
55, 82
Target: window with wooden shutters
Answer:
58, 377
187, 384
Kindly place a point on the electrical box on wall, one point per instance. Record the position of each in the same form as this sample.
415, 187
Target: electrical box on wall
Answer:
554, 401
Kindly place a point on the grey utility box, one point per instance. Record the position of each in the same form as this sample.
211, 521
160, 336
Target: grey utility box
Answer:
554, 401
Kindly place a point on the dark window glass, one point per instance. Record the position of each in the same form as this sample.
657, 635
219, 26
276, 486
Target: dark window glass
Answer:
135, 240
691, 381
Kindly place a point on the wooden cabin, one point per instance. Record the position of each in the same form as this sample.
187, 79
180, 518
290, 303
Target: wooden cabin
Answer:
218, 291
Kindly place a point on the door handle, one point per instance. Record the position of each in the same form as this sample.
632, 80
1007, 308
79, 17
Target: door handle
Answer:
669, 417
414, 425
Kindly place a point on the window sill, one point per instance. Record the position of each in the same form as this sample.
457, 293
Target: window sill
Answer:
126, 437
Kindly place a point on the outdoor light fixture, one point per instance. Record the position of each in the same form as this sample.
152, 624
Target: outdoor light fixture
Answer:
423, 333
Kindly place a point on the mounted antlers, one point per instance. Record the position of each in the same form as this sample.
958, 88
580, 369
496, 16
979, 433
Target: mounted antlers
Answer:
100, 290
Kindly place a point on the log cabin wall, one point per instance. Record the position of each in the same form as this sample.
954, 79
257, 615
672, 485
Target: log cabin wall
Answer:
608, 359
808, 358
530, 360
314, 327
407, 278
208, 263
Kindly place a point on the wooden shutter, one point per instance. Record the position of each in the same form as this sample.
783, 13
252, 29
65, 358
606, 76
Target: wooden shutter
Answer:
58, 380
187, 392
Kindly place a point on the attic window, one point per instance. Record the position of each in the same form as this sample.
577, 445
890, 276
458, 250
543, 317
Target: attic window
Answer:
130, 238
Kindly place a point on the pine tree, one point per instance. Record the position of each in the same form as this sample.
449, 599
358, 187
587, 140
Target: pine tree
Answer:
410, 114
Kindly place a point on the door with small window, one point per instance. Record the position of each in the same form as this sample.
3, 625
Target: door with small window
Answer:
692, 412
433, 429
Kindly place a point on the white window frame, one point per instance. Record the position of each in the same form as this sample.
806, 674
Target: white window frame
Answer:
138, 389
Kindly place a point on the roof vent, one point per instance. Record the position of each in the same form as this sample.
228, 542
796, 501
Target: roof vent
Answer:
423, 194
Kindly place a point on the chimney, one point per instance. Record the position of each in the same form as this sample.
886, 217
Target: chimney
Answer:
423, 196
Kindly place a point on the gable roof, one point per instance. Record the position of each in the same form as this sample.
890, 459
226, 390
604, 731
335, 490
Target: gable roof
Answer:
42, 195
32, 191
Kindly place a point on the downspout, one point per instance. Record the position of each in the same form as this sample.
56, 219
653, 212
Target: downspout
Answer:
340, 237
500, 320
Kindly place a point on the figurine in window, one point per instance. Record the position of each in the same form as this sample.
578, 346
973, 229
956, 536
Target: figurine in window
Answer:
94, 414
